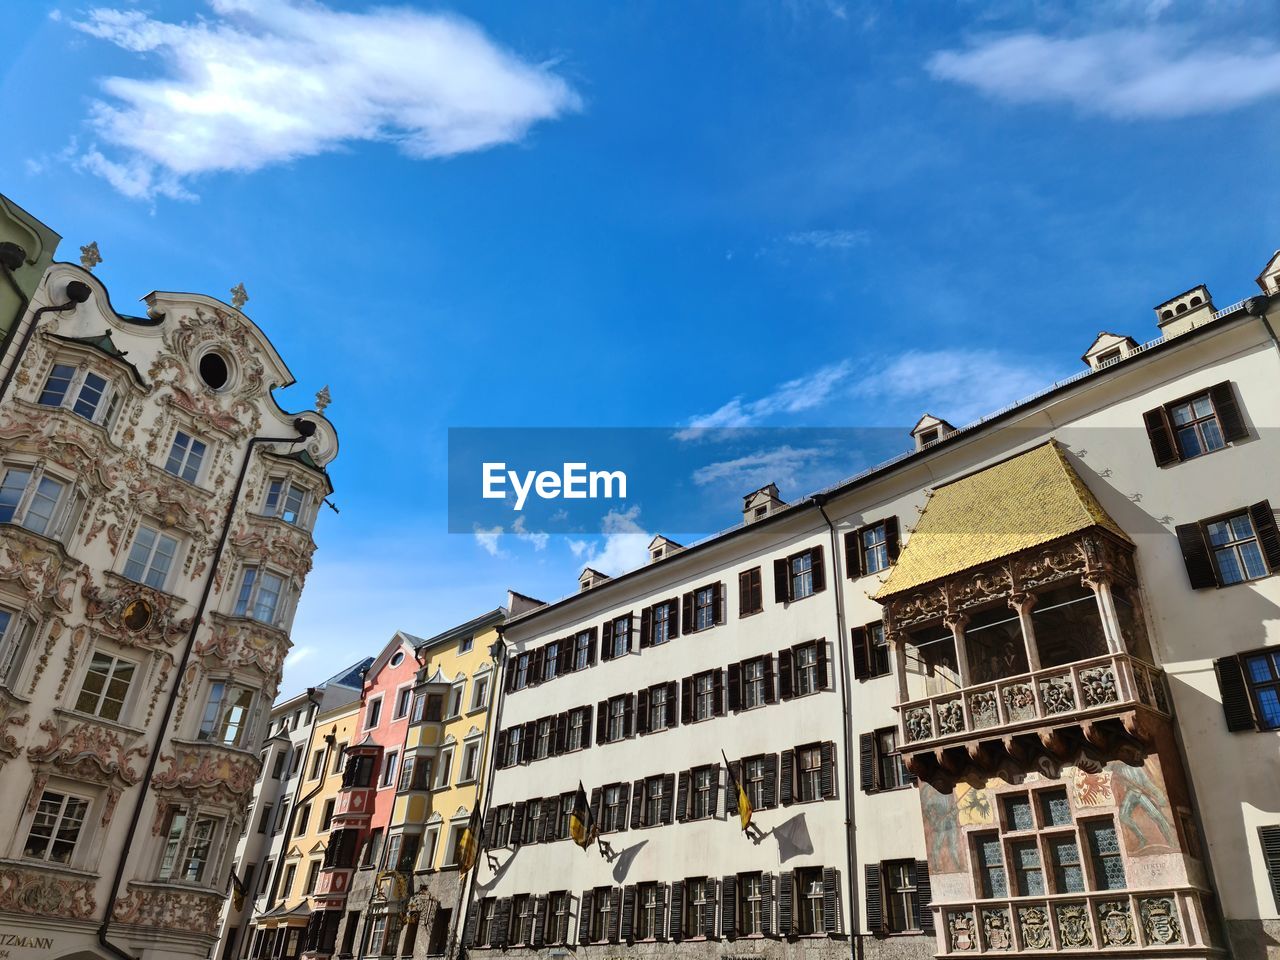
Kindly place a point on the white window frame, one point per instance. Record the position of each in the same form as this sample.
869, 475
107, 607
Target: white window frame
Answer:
456, 692
470, 758
281, 499
16, 632
390, 764
60, 514
445, 769
75, 855
229, 695
480, 687
186, 456
404, 693
103, 410
147, 562
369, 712
247, 602
187, 840
126, 702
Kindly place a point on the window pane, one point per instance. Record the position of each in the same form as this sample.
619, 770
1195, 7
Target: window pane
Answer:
86, 404
1017, 813
1269, 707
15, 481
1067, 875
55, 387
246, 590
1104, 848
1026, 863
43, 502
1054, 809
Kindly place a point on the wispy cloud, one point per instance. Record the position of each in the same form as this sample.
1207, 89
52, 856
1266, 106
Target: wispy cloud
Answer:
624, 545
1159, 72
263, 82
828, 239
787, 466
794, 396
487, 540
490, 539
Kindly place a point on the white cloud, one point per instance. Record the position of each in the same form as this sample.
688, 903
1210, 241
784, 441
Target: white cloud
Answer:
828, 239
784, 466
1159, 72
539, 540
263, 82
794, 396
624, 546
488, 540
297, 655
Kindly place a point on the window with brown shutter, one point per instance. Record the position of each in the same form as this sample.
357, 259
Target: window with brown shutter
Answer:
800, 575
1270, 837
750, 592
1195, 425
870, 651
1236, 547
1250, 687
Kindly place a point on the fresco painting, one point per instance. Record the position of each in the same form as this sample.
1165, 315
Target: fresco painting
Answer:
1142, 807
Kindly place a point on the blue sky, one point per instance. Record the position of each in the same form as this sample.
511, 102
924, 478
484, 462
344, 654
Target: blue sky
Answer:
651, 214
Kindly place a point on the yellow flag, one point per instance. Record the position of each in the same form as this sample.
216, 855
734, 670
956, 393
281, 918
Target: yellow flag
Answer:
582, 827
745, 810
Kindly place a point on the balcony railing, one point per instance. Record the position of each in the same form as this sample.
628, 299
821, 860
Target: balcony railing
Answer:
1127, 921
1087, 687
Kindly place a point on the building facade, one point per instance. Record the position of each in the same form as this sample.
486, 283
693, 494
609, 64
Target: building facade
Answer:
1015, 692
154, 539
304, 744
27, 248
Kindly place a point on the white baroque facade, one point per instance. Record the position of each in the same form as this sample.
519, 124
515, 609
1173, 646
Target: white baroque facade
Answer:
155, 535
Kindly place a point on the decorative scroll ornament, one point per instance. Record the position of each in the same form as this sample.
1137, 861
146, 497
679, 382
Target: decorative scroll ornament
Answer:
88, 751
207, 770
13, 713
167, 909
39, 894
323, 399
239, 296
114, 610
90, 257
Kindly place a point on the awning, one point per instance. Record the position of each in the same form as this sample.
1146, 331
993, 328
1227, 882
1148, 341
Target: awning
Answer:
1012, 506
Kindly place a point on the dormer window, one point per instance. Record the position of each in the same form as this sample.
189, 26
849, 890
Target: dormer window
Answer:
928, 437
84, 392
34, 500
285, 500
185, 457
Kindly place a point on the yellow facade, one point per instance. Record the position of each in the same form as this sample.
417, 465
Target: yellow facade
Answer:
306, 848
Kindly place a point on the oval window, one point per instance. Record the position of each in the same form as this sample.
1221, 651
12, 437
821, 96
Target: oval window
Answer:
214, 371
398, 658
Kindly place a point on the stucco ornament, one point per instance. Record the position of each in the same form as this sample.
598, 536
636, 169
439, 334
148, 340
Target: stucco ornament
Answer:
32, 892
239, 296
238, 644
89, 752
209, 771
323, 399
90, 256
187, 910
106, 606
13, 713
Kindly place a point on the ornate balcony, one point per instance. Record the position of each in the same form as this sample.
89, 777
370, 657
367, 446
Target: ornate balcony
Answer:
1162, 922
1100, 687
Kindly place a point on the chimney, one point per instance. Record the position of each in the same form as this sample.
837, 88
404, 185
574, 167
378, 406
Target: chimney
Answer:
660, 547
930, 429
1188, 309
761, 503
590, 578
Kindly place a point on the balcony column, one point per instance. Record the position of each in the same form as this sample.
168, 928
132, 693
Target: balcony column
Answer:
899, 647
1023, 603
1101, 587
957, 621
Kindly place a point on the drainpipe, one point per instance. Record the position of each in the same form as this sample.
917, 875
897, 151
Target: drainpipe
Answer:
305, 429
77, 293
851, 848
492, 719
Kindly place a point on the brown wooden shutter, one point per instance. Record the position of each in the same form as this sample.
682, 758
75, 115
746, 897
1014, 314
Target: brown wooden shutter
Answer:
709, 917
818, 569
686, 700
637, 803
686, 614
786, 669
549, 806
1228, 411
744, 592
1195, 554
628, 715
770, 680
539, 921
824, 679
786, 894
735, 686
594, 803
562, 733
646, 627
875, 899
615, 914
781, 582
892, 538
586, 726
628, 912
1160, 436
668, 795
867, 762
469, 928
924, 896
673, 617
828, 772
602, 721
729, 907
673, 699
501, 922
591, 648
766, 904
1235, 694
682, 797
585, 909
717, 603
660, 914
642, 711
717, 693
1264, 525
606, 644
565, 656
852, 555
490, 820
511, 675
830, 900
1270, 837
517, 824
771, 781
861, 661
788, 776
730, 794
526, 740
501, 749
677, 910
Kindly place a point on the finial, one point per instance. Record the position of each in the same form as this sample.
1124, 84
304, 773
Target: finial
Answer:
239, 297
323, 399
89, 255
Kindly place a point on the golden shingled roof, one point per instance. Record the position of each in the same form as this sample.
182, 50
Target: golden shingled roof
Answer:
1020, 503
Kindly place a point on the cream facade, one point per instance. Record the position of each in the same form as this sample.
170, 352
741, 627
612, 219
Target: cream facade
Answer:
1049, 699
154, 540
